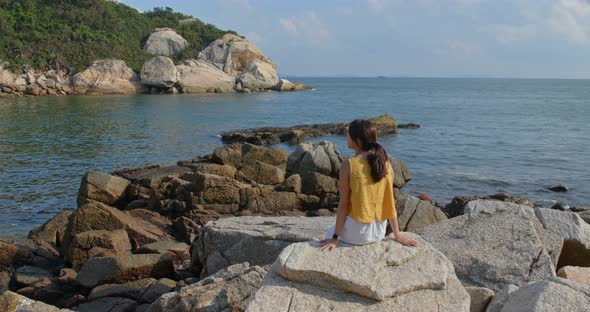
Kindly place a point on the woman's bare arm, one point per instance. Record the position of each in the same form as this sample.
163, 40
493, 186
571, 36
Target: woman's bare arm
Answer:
397, 236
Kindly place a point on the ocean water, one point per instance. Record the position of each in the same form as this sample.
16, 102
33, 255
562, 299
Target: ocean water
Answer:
478, 136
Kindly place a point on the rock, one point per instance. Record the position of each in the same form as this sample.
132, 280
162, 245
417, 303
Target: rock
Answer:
267, 201
480, 298
558, 188
185, 229
401, 173
226, 290
165, 41
291, 184
51, 229
198, 76
102, 187
498, 301
426, 198
252, 154
457, 206
232, 54
414, 214
11, 302
317, 184
576, 274
4, 282
29, 275
260, 172
18, 252
176, 250
33, 89
121, 269
213, 189
259, 75
106, 76
544, 296
410, 125
221, 170
132, 290
228, 156
157, 289
573, 230
101, 217
362, 278
111, 304
585, 215
151, 177
286, 85
322, 158
99, 243
256, 240
159, 72
496, 245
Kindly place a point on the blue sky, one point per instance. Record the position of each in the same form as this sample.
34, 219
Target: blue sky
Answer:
440, 38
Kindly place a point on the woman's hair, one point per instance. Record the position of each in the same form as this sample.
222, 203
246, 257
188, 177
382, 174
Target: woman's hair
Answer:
364, 133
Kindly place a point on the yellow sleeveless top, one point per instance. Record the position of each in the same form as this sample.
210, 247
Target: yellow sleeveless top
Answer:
370, 201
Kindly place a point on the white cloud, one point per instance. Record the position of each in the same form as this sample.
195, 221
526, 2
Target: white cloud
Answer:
572, 19
458, 49
307, 27
507, 34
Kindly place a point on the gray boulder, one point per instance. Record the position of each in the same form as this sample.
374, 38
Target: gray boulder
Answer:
256, 240
159, 72
226, 290
496, 245
12, 302
320, 157
98, 243
165, 41
198, 76
259, 75
362, 278
480, 298
51, 229
102, 187
152, 176
414, 214
107, 76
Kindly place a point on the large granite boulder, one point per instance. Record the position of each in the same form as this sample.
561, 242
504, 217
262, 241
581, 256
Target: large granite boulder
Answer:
226, 290
286, 85
52, 228
102, 187
107, 77
253, 239
458, 205
262, 173
320, 157
198, 76
159, 72
232, 54
259, 75
573, 230
165, 41
401, 173
576, 274
103, 270
542, 296
12, 302
273, 156
98, 216
361, 278
151, 176
414, 213
496, 245
98, 243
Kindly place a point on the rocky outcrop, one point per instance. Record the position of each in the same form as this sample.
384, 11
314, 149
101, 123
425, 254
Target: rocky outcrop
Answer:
363, 278
107, 77
545, 296
573, 230
100, 243
151, 176
198, 76
165, 41
11, 302
258, 75
457, 206
98, 216
322, 158
385, 124
414, 213
98, 271
232, 54
286, 85
102, 187
226, 290
515, 255
256, 240
52, 230
159, 72
401, 173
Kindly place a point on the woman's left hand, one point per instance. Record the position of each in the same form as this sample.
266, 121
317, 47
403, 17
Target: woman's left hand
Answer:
405, 240
328, 244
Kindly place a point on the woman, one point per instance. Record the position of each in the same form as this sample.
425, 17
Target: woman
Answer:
366, 193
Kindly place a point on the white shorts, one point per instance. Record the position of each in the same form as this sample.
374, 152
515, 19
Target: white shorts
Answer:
357, 233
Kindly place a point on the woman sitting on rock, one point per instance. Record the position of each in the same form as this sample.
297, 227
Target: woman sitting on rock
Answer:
366, 193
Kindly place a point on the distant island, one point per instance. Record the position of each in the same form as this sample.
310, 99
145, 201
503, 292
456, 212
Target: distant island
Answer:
106, 47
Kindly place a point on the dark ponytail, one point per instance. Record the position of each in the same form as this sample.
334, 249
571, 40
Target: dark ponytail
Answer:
363, 132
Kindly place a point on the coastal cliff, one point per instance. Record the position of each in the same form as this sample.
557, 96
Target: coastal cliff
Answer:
114, 49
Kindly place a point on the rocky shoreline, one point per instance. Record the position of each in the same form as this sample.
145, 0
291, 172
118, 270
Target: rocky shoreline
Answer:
228, 64
231, 231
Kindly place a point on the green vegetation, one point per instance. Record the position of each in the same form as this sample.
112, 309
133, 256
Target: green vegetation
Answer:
71, 34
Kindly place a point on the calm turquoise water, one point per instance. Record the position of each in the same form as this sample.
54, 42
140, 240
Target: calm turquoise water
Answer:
478, 136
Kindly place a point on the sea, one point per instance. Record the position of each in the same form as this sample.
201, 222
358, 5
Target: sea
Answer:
477, 136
